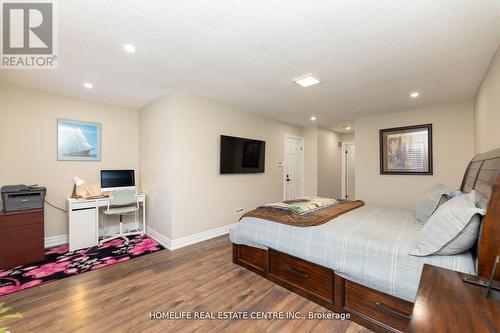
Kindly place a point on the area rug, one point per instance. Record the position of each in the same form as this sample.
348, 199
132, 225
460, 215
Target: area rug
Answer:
60, 263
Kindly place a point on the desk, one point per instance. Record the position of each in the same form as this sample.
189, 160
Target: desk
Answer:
83, 218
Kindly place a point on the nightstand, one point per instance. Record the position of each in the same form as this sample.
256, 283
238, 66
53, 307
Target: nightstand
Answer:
445, 303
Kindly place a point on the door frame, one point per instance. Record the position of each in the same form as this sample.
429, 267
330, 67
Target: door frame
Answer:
287, 136
344, 171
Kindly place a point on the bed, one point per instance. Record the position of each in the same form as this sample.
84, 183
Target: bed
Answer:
359, 261
368, 245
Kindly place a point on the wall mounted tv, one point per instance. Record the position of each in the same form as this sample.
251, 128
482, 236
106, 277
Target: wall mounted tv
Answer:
240, 155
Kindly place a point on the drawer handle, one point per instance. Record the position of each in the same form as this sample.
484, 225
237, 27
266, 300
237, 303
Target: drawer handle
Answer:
390, 311
78, 209
297, 272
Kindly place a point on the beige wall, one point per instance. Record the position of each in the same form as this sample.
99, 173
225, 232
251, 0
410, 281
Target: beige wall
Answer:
28, 145
197, 198
310, 160
452, 147
348, 137
487, 109
156, 163
322, 162
329, 164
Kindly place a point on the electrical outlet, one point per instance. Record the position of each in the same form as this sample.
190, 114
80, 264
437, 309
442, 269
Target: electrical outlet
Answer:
238, 211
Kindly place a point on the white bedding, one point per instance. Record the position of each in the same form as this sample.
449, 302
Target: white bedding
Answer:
368, 245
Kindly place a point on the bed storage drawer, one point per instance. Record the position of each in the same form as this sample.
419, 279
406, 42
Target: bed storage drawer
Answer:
251, 258
311, 279
381, 309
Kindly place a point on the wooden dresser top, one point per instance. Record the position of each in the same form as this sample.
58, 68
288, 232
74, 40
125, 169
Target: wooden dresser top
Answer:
17, 212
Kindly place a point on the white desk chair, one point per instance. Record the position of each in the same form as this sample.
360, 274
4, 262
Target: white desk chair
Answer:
122, 202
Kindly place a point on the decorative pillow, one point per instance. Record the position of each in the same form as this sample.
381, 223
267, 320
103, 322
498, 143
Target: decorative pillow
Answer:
454, 194
465, 239
427, 204
452, 229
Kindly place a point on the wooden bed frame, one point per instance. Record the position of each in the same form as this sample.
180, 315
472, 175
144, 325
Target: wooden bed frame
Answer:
375, 310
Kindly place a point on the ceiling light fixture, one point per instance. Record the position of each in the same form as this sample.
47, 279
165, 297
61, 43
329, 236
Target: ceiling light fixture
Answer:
307, 81
346, 127
313, 118
129, 48
88, 85
414, 94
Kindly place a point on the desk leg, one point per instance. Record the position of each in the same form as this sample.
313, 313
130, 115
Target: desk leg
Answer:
98, 213
144, 217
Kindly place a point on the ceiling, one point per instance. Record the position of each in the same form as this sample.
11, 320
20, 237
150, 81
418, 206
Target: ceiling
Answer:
370, 55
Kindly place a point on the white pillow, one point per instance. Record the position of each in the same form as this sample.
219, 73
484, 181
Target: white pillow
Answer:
452, 229
465, 239
432, 199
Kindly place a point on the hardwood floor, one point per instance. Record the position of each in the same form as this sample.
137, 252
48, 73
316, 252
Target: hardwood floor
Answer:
120, 298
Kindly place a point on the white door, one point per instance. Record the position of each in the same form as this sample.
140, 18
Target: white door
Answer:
294, 168
349, 175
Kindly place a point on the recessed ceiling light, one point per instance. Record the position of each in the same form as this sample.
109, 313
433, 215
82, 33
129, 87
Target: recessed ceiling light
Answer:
88, 85
307, 81
346, 127
414, 94
313, 118
129, 48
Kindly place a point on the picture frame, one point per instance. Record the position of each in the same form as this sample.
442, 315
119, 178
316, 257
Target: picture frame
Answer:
78, 140
406, 150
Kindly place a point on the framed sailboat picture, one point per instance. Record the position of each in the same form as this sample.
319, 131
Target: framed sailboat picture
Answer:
78, 140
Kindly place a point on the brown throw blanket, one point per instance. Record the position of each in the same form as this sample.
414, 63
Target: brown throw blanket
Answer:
315, 218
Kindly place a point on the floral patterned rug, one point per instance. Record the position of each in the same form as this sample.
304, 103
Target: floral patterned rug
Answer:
59, 263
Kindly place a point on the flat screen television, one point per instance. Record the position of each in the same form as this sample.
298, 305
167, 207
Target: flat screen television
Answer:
240, 155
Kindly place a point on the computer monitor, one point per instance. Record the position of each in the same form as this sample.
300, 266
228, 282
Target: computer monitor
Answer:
117, 179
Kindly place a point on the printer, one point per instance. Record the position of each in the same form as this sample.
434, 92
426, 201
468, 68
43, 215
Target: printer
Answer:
22, 197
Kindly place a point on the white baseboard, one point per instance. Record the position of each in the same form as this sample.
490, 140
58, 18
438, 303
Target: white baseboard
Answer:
171, 244
56, 240
200, 236
174, 244
160, 238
